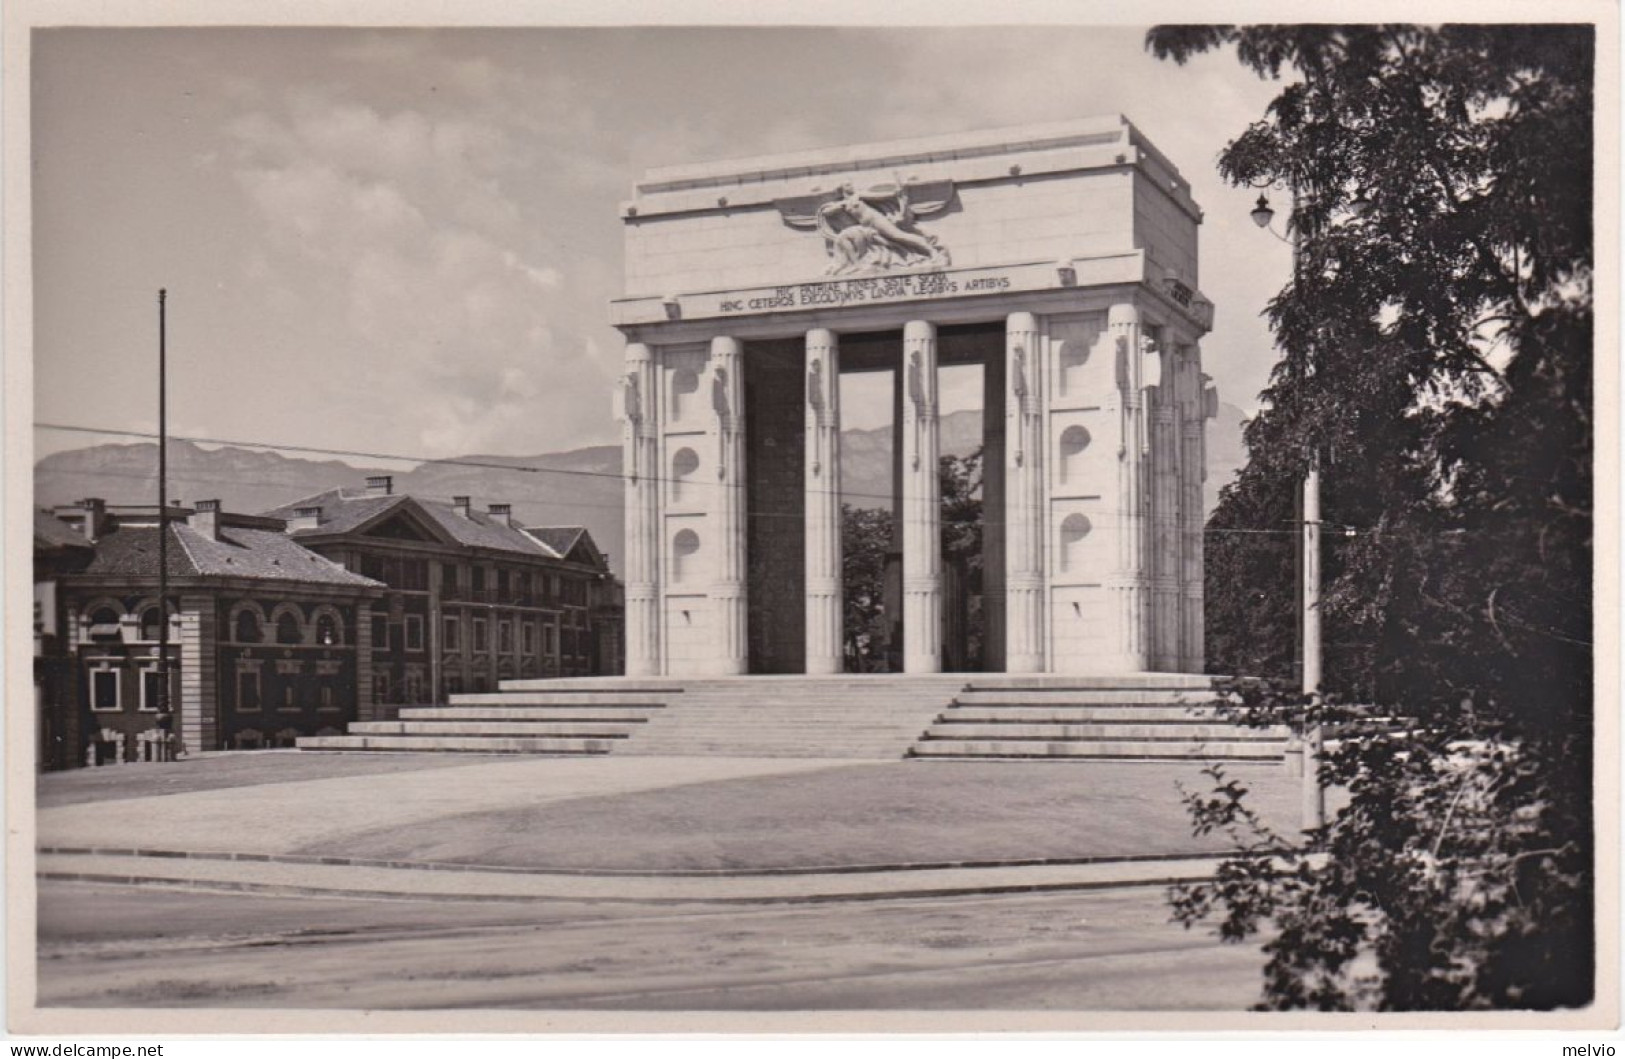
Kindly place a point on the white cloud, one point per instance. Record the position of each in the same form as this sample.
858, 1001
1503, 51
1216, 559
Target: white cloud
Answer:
444, 288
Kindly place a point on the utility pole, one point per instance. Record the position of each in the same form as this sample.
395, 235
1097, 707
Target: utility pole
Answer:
1308, 588
166, 719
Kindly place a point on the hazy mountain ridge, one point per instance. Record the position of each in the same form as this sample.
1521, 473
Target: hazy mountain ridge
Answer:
575, 487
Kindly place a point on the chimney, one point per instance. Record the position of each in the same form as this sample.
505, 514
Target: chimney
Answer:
95, 517
380, 485
305, 518
461, 505
502, 513
206, 519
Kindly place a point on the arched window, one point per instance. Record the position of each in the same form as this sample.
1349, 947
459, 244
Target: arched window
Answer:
683, 465
287, 628
328, 632
104, 616
247, 628
1074, 528
684, 383
1074, 440
149, 624
684, 547
1074, 354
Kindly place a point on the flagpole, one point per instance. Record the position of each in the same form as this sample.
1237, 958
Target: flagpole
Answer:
164, 718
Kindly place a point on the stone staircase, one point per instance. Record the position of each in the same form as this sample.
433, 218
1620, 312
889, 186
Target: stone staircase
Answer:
526, 717
873, 717
1146, 717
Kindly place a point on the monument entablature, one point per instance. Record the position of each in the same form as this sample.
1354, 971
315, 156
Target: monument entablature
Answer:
1061, 259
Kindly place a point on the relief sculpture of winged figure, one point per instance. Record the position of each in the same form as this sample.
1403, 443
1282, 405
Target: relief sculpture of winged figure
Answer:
873, 230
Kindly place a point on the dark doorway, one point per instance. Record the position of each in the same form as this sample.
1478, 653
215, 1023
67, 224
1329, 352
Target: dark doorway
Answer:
775, 505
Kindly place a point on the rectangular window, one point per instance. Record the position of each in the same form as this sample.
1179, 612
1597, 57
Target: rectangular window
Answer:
527, 638
149, 690
479, 634
104, 689
414, 632
550, 639
380, 633
248, 691
289, 701
414, 575
478, 581
505, 637
448, 577
450, 633
325, 697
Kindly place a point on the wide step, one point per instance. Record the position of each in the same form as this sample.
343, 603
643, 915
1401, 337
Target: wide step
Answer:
1161, 718
1099, 750
582, 730
459, 744
1155, 733
621, 715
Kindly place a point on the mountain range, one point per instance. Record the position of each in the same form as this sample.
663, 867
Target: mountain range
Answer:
578, 487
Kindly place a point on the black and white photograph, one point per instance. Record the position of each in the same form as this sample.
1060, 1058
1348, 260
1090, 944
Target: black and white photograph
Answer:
738, 519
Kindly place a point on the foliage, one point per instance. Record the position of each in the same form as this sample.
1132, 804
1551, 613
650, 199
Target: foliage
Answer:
867, 544
960, 482
1438, 337
866, 540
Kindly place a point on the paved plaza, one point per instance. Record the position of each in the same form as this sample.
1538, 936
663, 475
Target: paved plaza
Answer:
797, 880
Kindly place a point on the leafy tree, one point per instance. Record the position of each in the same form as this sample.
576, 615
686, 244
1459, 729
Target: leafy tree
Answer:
1438, 331
960, 482
867, 543
866, 540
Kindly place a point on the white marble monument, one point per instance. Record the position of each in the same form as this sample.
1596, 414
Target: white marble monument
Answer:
1061, 259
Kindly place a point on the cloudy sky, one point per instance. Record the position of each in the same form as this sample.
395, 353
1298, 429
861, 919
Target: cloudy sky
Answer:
405, 240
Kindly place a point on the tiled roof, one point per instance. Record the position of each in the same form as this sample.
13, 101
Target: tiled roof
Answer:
479, 530
344, 513
253, 553
341, 513
558, 538
51, 532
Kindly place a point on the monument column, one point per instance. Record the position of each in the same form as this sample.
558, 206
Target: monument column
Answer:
823, 503
922, 504
1127, 585
640, 411
728, 589
1164, 520
1024, 497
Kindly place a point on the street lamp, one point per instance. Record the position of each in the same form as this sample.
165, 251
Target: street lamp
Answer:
1309, 631
1262, 215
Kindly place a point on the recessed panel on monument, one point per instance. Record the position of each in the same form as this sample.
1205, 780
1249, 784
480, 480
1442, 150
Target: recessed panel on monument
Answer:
1076, 242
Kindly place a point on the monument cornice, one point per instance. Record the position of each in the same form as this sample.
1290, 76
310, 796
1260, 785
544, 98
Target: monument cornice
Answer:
1025, 152
946, 295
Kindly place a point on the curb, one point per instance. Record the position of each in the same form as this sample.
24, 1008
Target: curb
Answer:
611, 873
235, 873
289, 890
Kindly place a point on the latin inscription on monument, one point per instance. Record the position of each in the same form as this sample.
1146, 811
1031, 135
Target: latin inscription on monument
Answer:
869, 289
